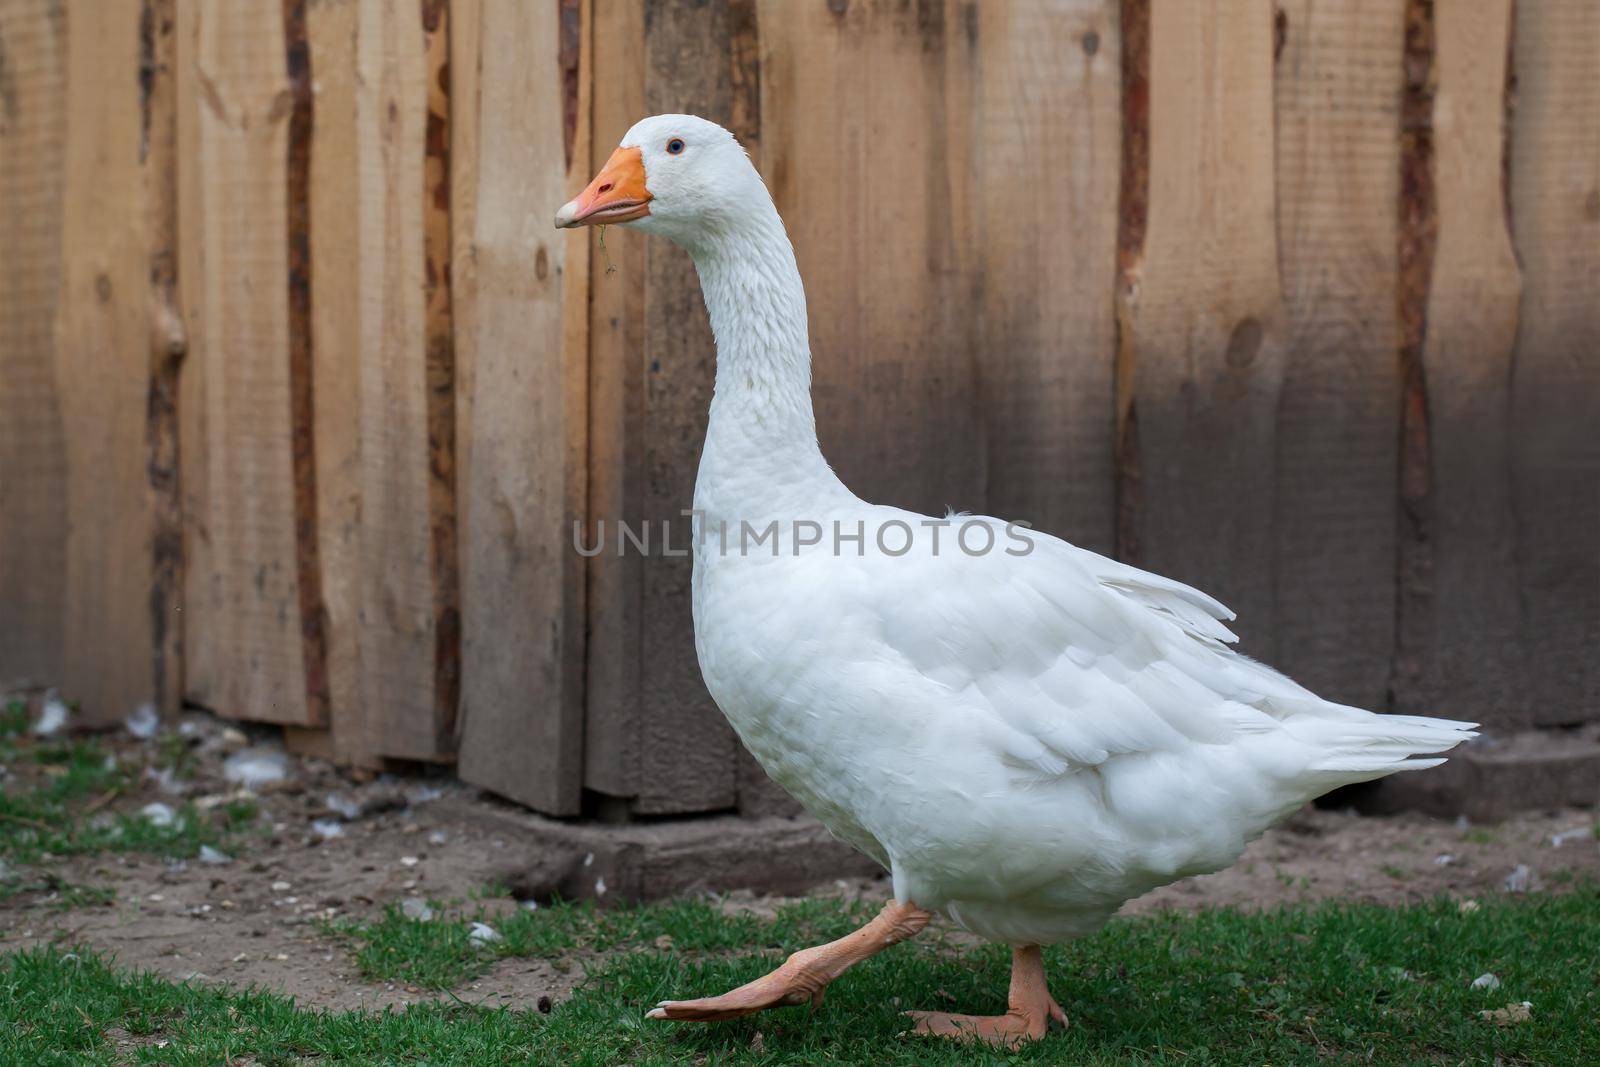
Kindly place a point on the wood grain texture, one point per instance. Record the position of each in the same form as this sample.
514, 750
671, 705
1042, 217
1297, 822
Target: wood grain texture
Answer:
1043, 84
525, 420
613, 746
103, 371
466, 75
336, 352
1476, 670
1203, 317
397, 616
243, 625
1555, 378
1338, 79
439, 293
300, 118
687, 754
1416, 247
168, 345
33, 472
889, 279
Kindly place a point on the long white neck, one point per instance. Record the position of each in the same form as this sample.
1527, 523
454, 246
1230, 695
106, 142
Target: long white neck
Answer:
761, 458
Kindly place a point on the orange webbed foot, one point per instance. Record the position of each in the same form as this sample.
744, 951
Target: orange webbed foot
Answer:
804, 975
784, 986
1002, 1031
1032, 1010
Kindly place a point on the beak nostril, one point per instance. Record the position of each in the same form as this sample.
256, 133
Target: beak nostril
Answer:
606, 188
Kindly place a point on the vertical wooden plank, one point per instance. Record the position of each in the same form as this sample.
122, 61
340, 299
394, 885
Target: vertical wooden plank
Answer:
243, 547
1045, 85
1475, 668
336, 354
1415, 249
103, 372
397, 616
33, 39
1338, 84
466, 50
688, 755
298, 107
524, 485
1204, 330
168, 345
613, 746
848, 90
654, 738
1555, 377
440, 377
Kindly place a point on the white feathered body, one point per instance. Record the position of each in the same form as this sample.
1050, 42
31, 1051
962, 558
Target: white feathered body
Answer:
1026, 740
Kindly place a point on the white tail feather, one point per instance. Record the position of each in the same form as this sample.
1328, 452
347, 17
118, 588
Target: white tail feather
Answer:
1361, 747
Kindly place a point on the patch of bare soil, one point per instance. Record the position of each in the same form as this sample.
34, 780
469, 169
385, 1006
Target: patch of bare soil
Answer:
330, 846
255, 919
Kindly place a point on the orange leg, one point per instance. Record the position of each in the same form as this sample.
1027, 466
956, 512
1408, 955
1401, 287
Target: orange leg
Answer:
1032, 1009
805, 974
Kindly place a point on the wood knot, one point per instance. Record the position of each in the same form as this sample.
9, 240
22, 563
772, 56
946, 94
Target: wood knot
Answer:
1244, 343
541, 264
1090, 43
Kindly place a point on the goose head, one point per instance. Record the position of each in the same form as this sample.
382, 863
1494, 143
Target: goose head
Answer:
678, 176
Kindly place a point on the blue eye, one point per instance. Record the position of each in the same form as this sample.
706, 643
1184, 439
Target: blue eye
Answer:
675, 146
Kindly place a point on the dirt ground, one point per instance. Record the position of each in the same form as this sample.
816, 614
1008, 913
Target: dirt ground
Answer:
254, 920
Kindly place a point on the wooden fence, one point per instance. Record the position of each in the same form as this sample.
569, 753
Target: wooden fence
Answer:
300, 393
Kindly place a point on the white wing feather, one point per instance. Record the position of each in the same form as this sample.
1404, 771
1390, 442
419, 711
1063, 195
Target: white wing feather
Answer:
1077, 659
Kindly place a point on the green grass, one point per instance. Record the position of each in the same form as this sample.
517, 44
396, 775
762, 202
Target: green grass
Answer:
65, 808
439, 953
1336, 984
13, 723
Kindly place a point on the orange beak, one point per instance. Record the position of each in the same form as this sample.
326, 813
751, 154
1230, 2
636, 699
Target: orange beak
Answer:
617, 194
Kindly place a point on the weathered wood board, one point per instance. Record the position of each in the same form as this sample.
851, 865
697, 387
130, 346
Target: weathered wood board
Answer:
1039, 89
1203, 356
850, 101
688, 755
398, 616
243, 545
525, 420
1338, 80
612, 745
653, 735
1555, 383
33, 520
103, 349
1475, 669
168, 346
351, 734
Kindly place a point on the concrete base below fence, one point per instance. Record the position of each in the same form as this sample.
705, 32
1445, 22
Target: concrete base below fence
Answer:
646, 861
1497, 775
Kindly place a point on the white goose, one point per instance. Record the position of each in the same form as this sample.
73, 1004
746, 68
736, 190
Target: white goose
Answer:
1025, 733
